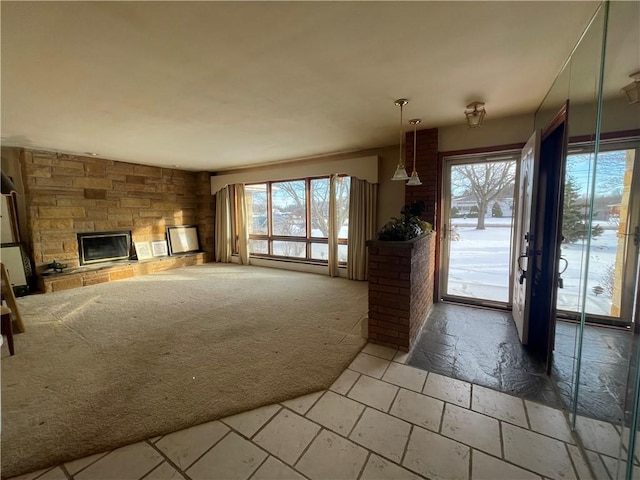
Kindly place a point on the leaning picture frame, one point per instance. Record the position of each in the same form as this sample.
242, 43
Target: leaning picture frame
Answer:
143, 250
183, 239
159, 248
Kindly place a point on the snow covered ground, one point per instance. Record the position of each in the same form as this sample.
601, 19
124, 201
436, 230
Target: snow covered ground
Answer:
480, 260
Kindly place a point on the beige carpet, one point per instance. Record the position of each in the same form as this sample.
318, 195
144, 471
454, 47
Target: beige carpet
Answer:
107, 365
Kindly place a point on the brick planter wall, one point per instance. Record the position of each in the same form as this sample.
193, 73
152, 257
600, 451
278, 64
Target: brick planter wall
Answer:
400, 289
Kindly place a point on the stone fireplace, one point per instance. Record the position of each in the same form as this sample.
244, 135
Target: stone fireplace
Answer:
85, 212
100, 247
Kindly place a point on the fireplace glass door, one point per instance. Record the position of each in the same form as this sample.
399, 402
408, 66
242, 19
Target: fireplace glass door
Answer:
103, 246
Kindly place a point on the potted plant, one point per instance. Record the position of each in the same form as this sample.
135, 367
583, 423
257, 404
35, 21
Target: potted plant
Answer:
406, 227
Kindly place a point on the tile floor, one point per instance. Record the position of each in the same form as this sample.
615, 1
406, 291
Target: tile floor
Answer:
381, 419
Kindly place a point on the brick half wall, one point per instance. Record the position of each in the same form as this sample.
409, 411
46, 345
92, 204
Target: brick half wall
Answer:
400, 289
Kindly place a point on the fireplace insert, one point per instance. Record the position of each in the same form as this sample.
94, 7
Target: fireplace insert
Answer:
97, 247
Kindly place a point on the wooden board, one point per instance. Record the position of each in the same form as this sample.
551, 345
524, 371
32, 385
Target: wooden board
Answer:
10, 298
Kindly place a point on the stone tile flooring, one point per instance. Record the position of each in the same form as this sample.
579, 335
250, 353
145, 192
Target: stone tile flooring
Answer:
481, 346
381, 419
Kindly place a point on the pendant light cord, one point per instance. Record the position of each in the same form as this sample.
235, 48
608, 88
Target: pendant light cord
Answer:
415, 126
401, 162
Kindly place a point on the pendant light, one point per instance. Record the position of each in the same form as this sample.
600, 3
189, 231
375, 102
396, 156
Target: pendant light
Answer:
415, 179
401, 172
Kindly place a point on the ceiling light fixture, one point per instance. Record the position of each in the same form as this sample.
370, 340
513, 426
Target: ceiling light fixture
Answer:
632, 91
401, 172
415, 179
475, 113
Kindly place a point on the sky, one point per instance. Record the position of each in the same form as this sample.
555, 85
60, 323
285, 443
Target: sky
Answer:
610, 170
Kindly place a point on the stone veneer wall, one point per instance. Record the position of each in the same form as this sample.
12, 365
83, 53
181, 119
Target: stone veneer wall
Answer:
67, 195
401, 276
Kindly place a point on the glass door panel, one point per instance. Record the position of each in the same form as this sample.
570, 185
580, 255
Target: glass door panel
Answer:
479, 206
610, 234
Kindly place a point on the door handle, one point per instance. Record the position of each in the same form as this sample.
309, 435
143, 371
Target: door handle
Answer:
523, 275
560, 272
566, 265
454, 235
522, 255
635, 235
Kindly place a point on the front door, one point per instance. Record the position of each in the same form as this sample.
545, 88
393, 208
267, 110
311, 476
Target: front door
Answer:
528, 160
536, 269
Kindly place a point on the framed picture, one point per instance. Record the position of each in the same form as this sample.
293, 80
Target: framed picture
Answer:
183, 239
143, 250
159, 249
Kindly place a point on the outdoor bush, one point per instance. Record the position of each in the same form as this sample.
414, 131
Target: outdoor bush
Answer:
496, 210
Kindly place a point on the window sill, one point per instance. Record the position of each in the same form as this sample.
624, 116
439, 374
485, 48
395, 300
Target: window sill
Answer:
290, 264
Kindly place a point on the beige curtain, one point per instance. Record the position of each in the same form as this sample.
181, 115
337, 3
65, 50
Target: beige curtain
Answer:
333, 228
363, 198
224, 233
243, 225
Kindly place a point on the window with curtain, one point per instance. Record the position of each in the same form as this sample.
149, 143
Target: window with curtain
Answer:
290, 219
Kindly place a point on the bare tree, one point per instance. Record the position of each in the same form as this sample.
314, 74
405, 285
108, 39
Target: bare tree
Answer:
320, 194
485, 182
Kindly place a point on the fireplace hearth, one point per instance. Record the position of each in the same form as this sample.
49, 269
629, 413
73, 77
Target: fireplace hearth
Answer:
99, 247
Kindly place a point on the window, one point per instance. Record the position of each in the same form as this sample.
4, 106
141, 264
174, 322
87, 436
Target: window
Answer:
608, 245
257, 205
290, 219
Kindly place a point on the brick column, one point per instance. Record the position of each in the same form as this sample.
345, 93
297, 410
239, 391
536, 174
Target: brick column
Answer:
400, 289
427, 167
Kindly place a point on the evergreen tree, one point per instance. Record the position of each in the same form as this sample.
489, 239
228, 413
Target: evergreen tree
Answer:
574, 219
496, 210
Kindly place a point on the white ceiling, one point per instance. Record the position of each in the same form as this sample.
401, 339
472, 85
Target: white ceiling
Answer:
218, 85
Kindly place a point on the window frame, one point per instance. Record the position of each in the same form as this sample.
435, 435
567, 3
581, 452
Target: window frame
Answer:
307, 238
608, 143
